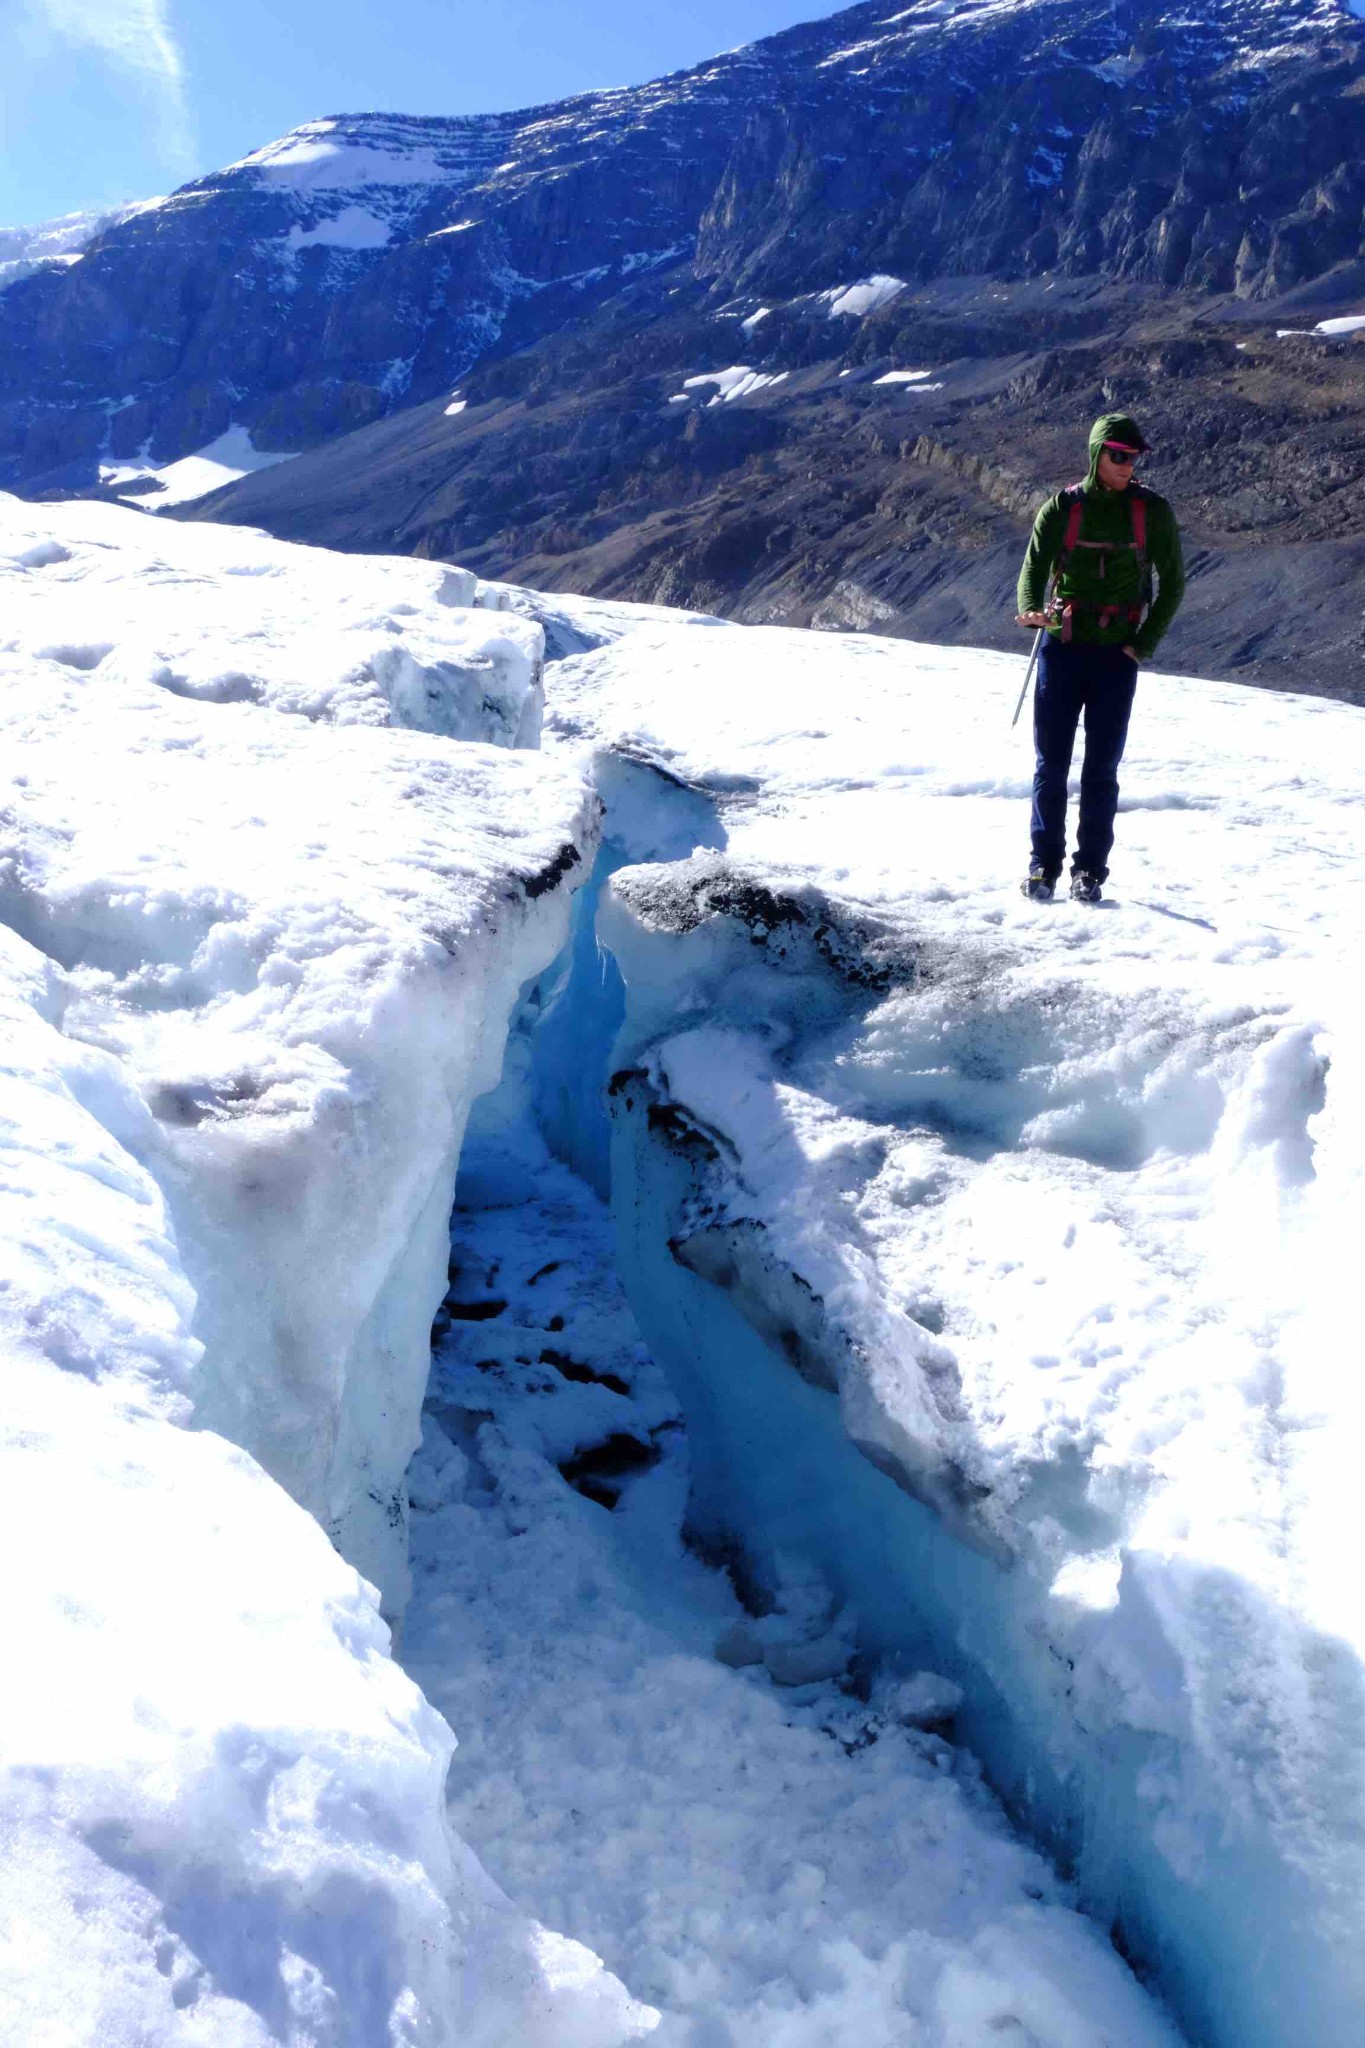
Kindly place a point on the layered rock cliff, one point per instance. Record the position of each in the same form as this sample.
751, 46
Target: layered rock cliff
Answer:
364, 263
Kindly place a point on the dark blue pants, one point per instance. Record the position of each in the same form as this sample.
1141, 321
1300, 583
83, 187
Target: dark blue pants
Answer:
1099, 681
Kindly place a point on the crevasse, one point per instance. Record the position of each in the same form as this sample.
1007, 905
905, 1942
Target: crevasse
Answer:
1078, 1709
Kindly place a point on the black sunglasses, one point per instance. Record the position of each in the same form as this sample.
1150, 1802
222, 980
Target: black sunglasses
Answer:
1123, 455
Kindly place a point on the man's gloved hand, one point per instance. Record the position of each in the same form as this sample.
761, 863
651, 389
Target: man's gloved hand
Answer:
1030, 618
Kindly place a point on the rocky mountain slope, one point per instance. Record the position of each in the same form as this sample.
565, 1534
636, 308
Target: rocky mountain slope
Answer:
1073, 201
821, 494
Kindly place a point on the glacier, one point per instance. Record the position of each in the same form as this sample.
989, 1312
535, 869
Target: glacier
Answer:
998, 1259
259, 948
884, 1331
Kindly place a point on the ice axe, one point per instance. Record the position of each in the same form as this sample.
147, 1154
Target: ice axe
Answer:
1028, 675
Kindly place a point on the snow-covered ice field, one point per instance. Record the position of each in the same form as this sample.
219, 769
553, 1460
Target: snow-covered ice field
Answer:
958, 1407
259, 952
1045, 1209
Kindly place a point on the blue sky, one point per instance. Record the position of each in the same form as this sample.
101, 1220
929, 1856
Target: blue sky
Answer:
107, 100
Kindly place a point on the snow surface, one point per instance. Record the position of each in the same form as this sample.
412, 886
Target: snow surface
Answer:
255, 963
766, 1861
226, 616
1048, 1210
997, 1256
241, 970
214, 966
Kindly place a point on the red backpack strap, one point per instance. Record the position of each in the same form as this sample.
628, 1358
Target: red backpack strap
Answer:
1139, 504
1074, 495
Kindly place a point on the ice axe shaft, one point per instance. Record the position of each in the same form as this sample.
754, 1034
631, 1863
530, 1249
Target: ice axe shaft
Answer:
1028, 675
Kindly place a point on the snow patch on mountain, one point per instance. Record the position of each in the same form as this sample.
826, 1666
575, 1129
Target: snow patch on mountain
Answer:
739, 381
311, 159
219, 462
855, 301
24, 250
354, 227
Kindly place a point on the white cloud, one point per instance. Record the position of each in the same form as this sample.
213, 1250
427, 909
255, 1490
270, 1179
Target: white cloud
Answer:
136, 37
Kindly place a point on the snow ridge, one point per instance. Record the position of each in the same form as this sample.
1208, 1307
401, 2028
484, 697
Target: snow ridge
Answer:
58, 243
258, 945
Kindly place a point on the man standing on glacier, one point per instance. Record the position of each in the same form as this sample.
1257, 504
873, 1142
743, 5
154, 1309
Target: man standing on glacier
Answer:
1097, 544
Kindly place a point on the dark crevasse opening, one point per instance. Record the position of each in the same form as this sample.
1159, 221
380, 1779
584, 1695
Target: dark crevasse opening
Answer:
670, 1609
576, 1011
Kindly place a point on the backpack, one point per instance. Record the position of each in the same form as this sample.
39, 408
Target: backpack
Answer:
1105, 614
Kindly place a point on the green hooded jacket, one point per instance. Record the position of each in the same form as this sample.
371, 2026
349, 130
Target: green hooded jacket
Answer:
1093, 577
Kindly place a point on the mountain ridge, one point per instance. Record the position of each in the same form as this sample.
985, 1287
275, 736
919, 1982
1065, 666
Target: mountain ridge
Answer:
989, 135
954, 228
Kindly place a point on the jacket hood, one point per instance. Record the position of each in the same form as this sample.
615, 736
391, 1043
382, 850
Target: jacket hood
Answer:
1113, 426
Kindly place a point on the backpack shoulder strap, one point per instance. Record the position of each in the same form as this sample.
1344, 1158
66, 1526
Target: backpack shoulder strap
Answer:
1139, 509
1074, 499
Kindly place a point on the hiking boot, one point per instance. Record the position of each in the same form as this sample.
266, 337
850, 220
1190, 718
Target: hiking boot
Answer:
1084, 888
1039, 885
